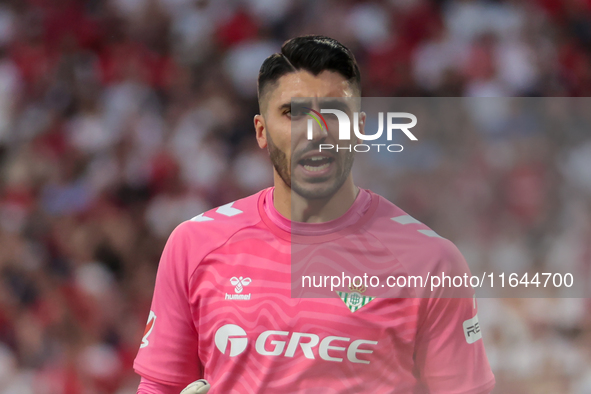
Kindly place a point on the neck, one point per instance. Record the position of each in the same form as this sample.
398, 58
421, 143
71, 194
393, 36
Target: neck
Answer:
299, 209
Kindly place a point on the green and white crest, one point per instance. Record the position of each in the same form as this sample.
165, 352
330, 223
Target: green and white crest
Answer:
354, 300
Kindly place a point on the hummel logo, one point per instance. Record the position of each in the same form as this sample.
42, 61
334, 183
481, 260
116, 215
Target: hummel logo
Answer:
239, 284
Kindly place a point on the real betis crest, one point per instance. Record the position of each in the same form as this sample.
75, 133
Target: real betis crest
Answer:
355, 300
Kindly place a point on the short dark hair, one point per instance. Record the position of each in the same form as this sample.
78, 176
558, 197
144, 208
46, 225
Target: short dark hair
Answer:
314, 54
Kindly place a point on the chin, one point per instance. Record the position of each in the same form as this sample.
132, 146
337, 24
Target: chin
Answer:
315, 191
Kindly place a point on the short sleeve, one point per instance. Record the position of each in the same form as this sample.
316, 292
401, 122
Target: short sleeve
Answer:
168, 351
148, 386
450, 353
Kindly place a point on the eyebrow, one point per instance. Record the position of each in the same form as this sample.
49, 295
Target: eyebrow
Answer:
301, 103
330, 103
284, 106
341, 104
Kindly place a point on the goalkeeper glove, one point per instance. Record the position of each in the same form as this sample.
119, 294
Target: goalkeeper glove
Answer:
200, 386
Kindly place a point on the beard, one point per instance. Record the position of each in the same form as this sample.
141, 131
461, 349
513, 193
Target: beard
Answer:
279, 160
321, 188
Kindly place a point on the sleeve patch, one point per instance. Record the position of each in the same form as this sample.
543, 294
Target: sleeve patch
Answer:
472, 330
149, 328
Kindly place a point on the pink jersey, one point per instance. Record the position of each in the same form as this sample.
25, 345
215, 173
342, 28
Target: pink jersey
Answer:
222, 309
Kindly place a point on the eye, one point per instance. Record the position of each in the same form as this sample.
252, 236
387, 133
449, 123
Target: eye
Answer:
297, 111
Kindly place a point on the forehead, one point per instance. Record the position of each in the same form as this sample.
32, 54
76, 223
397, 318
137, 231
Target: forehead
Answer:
305, 84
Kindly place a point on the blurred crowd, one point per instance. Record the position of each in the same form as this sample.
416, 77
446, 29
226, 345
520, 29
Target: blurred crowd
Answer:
119, 119
508, 180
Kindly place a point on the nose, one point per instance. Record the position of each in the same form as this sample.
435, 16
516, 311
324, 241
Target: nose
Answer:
316, 130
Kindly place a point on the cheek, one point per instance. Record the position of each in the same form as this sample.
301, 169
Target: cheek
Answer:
281, 138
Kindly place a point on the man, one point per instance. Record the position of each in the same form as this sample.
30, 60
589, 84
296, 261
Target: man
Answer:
222, 307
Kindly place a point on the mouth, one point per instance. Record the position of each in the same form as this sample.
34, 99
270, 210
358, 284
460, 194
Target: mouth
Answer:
314, 164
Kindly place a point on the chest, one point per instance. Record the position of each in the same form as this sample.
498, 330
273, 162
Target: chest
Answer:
240, 306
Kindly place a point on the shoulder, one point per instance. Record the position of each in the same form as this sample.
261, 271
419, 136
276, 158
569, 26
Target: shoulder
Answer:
208, 230
414, 244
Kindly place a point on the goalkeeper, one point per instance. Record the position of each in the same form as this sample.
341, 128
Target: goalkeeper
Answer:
222, 308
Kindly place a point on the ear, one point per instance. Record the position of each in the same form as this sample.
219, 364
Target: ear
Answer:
260, 128
362, 116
